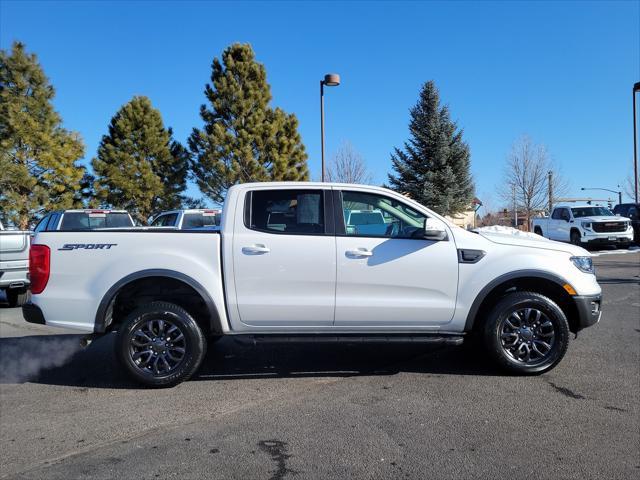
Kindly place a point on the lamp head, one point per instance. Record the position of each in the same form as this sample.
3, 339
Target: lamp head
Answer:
332, 79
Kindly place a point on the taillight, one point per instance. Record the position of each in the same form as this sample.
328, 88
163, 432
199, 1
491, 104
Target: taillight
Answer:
39, 266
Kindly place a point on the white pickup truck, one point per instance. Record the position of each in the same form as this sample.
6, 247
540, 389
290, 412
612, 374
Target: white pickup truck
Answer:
14, 265
286, 265
585, 225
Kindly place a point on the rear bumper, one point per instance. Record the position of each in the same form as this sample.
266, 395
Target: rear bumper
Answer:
14, 278
33, 314
589, 309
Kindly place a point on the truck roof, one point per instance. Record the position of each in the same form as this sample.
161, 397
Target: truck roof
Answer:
578, 205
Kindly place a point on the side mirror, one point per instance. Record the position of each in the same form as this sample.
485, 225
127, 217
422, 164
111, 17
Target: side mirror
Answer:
433, 232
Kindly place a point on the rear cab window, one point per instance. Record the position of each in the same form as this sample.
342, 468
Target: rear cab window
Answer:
167, 220
93, 220
293, 212
201, 219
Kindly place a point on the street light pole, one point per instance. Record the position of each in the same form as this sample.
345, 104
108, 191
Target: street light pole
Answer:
330, 80
636, 88
619, 192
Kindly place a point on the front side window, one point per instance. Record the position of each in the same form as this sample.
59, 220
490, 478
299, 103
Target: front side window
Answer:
296, 212
371, 215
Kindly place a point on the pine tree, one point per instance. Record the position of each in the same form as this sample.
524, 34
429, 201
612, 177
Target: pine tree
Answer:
433, 168
243, 139
139, 167
38, 169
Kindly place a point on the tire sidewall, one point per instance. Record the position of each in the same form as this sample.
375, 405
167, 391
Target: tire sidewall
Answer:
519, 301
195, 345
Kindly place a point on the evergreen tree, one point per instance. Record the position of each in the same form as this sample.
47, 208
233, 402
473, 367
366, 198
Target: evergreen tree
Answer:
433, 168
139, 167
243, 139
38, 169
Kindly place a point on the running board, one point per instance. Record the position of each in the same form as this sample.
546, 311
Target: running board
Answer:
357, 339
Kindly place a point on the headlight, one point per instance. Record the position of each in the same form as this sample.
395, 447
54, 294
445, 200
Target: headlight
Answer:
584, 264
586, 225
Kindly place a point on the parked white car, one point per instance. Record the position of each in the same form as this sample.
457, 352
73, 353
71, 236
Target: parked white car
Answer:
585, 225
14, 265
289, 265
188, 219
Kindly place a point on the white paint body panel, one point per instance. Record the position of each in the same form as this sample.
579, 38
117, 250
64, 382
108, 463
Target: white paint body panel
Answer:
304, 284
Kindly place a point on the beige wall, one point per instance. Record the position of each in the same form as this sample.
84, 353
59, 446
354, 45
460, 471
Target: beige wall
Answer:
464, 219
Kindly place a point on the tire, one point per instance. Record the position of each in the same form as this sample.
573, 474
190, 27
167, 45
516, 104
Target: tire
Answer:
508, 346
574, 237
156, 360
17, 297
538, 231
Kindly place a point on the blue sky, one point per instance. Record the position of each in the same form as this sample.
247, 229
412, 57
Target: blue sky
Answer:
560, 72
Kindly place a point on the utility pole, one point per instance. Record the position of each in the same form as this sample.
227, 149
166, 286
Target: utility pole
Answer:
515, 208
550, 188
636, 88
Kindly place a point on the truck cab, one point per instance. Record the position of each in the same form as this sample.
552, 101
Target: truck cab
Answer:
84, 219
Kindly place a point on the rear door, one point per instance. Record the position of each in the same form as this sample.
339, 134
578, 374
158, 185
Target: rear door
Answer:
387, 276
284, 256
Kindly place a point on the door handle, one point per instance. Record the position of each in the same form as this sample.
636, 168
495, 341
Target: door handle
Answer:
360, 252
257, 249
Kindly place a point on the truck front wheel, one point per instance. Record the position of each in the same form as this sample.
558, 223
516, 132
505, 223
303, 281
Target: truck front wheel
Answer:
526, 333
160, 345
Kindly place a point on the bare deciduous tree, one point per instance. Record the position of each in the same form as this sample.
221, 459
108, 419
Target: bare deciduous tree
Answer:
348, 166
526, 177
629, 186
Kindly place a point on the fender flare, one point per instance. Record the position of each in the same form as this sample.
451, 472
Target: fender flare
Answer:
106, 304
484, 293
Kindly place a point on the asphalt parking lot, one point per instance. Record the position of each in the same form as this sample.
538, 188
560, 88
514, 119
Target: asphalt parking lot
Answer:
328, 411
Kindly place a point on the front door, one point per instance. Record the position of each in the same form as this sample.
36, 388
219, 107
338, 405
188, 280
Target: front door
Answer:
284, 258
387, 276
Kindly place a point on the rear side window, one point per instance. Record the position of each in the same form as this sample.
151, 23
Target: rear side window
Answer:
294, 212
168, 220
90, 221
200, 219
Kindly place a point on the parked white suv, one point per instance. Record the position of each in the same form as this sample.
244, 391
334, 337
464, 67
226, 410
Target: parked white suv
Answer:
289, 265
585, 225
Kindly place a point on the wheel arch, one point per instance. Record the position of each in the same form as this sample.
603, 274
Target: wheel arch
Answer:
108, 316
545, 283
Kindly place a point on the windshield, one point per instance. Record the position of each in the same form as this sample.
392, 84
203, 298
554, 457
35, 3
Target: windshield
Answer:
591, 212
90, 221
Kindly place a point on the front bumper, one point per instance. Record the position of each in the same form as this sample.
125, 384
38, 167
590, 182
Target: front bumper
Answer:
33, 314
589, 309
614, 238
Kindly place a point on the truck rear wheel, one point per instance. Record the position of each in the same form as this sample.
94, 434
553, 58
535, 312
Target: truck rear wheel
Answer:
17, 297
538, 231
160, 345
526, 333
